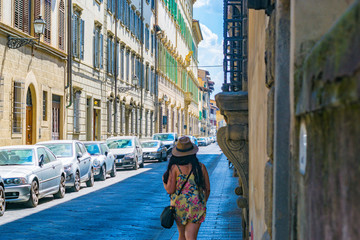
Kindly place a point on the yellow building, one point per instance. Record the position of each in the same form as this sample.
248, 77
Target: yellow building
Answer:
32, 76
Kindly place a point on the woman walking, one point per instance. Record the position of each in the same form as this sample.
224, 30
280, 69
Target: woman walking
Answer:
190, 204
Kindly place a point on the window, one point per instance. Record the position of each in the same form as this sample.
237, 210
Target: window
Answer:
42, 154
47, 18
152, 4
122, 52
62, 25
151, 123
98, 48
147, 77
146, 122
152, 42
78, 36
77, 111
147, 39
17, 108
128, 66
109, 116
45, 105
110, 55
22, 16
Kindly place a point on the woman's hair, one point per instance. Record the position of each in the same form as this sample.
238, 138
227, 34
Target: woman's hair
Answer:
196, 169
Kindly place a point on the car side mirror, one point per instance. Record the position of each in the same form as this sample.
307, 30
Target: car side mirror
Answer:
106, 153
79, 155
41, 160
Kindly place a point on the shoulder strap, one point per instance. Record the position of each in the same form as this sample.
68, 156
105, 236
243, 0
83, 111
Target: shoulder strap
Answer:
185, 182
179, 169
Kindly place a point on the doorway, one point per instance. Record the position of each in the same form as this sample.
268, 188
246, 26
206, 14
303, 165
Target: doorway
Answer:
29, 117
56, 126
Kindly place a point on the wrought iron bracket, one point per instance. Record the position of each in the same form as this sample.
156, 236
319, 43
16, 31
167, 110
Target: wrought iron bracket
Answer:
15, 43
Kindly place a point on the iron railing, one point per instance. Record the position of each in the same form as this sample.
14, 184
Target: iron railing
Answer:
235, 45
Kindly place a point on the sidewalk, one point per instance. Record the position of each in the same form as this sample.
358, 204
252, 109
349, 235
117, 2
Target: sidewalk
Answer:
223, 220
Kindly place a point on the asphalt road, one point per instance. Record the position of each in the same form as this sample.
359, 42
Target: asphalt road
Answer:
125, 207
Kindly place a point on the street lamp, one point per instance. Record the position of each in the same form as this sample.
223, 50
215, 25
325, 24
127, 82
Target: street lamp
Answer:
39, 28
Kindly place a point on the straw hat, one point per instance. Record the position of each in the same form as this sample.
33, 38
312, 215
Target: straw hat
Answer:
184, 147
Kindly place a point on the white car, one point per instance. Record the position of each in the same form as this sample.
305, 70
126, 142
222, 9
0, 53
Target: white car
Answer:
76, 160
153, 150
168, 139
103, 160
30, 173
127, 152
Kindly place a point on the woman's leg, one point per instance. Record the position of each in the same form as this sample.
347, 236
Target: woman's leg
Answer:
191, 230
181, 229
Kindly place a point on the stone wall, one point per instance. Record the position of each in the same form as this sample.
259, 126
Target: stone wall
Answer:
258, 93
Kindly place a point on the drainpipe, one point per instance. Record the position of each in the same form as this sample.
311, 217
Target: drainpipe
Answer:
115, 65
69, 57
142, 67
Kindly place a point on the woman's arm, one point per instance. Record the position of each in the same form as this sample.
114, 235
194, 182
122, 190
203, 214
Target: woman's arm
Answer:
170, 186
207, 181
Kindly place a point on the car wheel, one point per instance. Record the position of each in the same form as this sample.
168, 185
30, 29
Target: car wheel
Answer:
76, 186
34, 194
2, 201
61, 192
90, 182
161, 157
103, 173
136, 165
113, 171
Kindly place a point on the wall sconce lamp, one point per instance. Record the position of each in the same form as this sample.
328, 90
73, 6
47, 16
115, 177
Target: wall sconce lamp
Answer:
39, 28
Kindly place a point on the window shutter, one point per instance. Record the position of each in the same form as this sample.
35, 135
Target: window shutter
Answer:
101, 50
26, 16
113, 6
117, 58
74, 35
109, 5
47, 34
61, 25
112, 57
82, 32
108, 55
96, 53
77, 112
118, 9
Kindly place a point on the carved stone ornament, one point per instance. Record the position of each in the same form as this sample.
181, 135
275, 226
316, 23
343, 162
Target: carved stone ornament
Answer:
233, 139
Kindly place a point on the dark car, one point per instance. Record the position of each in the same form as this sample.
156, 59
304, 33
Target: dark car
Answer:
154, 150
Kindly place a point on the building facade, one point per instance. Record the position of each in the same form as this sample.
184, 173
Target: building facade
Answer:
113, 69
178, 37
299, 116
206, 86
32, 76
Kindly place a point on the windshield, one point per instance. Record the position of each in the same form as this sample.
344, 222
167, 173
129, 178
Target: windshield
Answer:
60, 150
201, 139
120, 143
16, 157
93, 149
164, 137
150, 144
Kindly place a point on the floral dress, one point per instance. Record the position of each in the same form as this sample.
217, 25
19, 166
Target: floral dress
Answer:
190, 205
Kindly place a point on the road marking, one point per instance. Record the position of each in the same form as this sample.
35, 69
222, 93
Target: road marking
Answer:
18, 213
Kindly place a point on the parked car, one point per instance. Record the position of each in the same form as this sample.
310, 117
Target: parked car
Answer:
76, 160
30, 173
127, 151
169, 140
193, 140
2, 197
153, 150
103, 160
202, 141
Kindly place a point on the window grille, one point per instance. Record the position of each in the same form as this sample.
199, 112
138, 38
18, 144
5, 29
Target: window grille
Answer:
44, 105
18, 107
77, 111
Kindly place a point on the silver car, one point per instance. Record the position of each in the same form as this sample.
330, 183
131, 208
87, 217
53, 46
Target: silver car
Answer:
153, 150
2, 197
30, 173
127, 151
77, 162
103, 160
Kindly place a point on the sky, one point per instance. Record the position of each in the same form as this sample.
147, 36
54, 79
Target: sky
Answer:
210, 15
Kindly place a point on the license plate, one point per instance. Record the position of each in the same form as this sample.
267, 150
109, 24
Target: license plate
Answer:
118, 161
